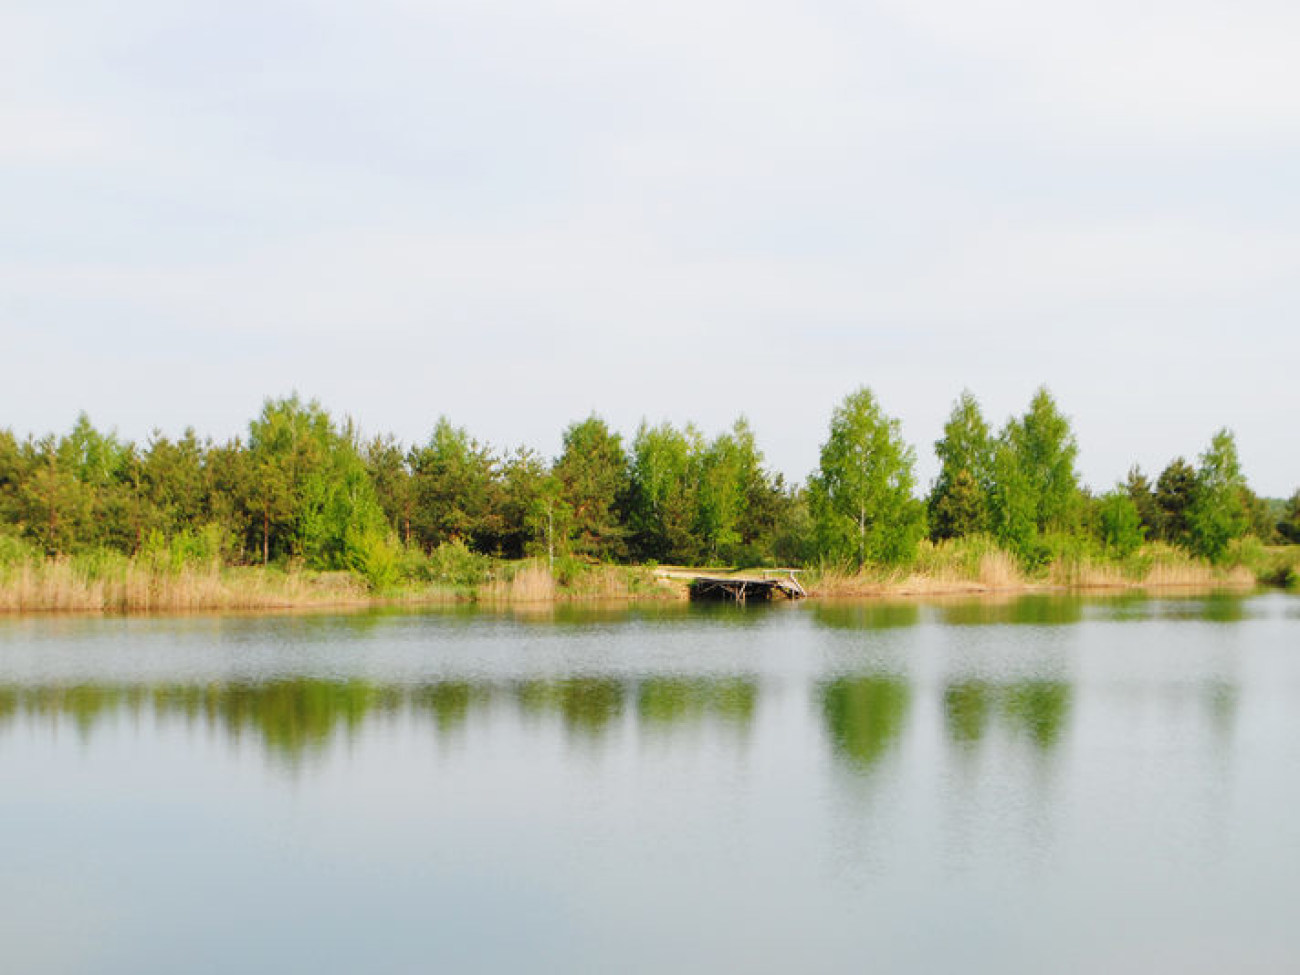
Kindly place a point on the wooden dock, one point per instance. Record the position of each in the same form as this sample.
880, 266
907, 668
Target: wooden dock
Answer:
741, 589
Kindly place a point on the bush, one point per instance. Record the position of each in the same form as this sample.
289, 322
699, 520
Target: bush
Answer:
16, 552
1120, 524
453, 563
374, 557
568, 570
205, 547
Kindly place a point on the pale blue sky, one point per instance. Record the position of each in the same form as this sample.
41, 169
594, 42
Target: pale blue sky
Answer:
515, 213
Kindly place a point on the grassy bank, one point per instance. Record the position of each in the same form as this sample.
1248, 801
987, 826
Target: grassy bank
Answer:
95, 583
107, 582
975, 566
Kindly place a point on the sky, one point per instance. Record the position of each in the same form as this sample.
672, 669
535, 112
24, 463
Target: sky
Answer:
517, 213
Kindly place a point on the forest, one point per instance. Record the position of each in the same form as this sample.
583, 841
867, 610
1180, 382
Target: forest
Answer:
306, 490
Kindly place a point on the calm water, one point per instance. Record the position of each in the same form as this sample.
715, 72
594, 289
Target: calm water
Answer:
1043, 785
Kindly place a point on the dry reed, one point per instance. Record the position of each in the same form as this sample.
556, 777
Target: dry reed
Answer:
60, 586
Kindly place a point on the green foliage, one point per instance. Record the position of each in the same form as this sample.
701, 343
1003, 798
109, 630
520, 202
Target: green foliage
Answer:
861, 498
1035, 489
1218, 513
302, 490
16, 552
1120, 523
1070, 552
1260, 517
455, 564
593, 474
958, 507
456, 489
100, 563
375, 557
548, 521
1013, 504
339, 512
1289, 526
663, 488
529, 506
386, 464
727, 468
1175, 495
1045, 452
959, 502
287, 448
962, 557
1143, 497
569, 571
201, 546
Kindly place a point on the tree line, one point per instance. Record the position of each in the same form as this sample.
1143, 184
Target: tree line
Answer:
302, 487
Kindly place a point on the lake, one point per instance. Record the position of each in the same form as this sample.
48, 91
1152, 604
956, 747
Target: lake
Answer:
1042, 784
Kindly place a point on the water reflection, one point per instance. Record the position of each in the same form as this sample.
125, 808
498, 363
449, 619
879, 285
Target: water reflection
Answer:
667, 701
1036, 709
1215, 608
867, 615
302, 717
966, 709
865, 716
587, 704
1036, 610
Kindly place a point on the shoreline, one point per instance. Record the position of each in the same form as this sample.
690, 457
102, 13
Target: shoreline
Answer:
307, 599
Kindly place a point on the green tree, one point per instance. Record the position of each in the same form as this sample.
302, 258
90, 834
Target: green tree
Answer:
54, 507
456, 490
958, 507
341, 524
959, 502
1289, 526
1120, 522
11, 476
1218, 514
593, 474
1260, 516
1144, 499
387, 465
549, 521
1013, 503
728, 468
662, 489
527, 510
287, 444
1046, 450
1175, 494
1035, 488
233, 500
173, 482
861, 497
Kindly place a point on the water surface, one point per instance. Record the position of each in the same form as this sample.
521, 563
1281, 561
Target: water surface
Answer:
1039, 784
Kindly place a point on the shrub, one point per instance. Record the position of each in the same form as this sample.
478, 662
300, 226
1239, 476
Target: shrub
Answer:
455, 564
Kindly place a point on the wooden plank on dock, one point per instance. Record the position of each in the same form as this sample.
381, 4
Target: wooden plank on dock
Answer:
741, 589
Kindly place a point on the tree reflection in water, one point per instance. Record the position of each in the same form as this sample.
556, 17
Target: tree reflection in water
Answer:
1037, 709
302, 717
865, 716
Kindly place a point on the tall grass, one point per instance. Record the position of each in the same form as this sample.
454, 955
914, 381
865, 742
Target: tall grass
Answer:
187, 574
974, 565
64, 585
533, 581
163, 577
